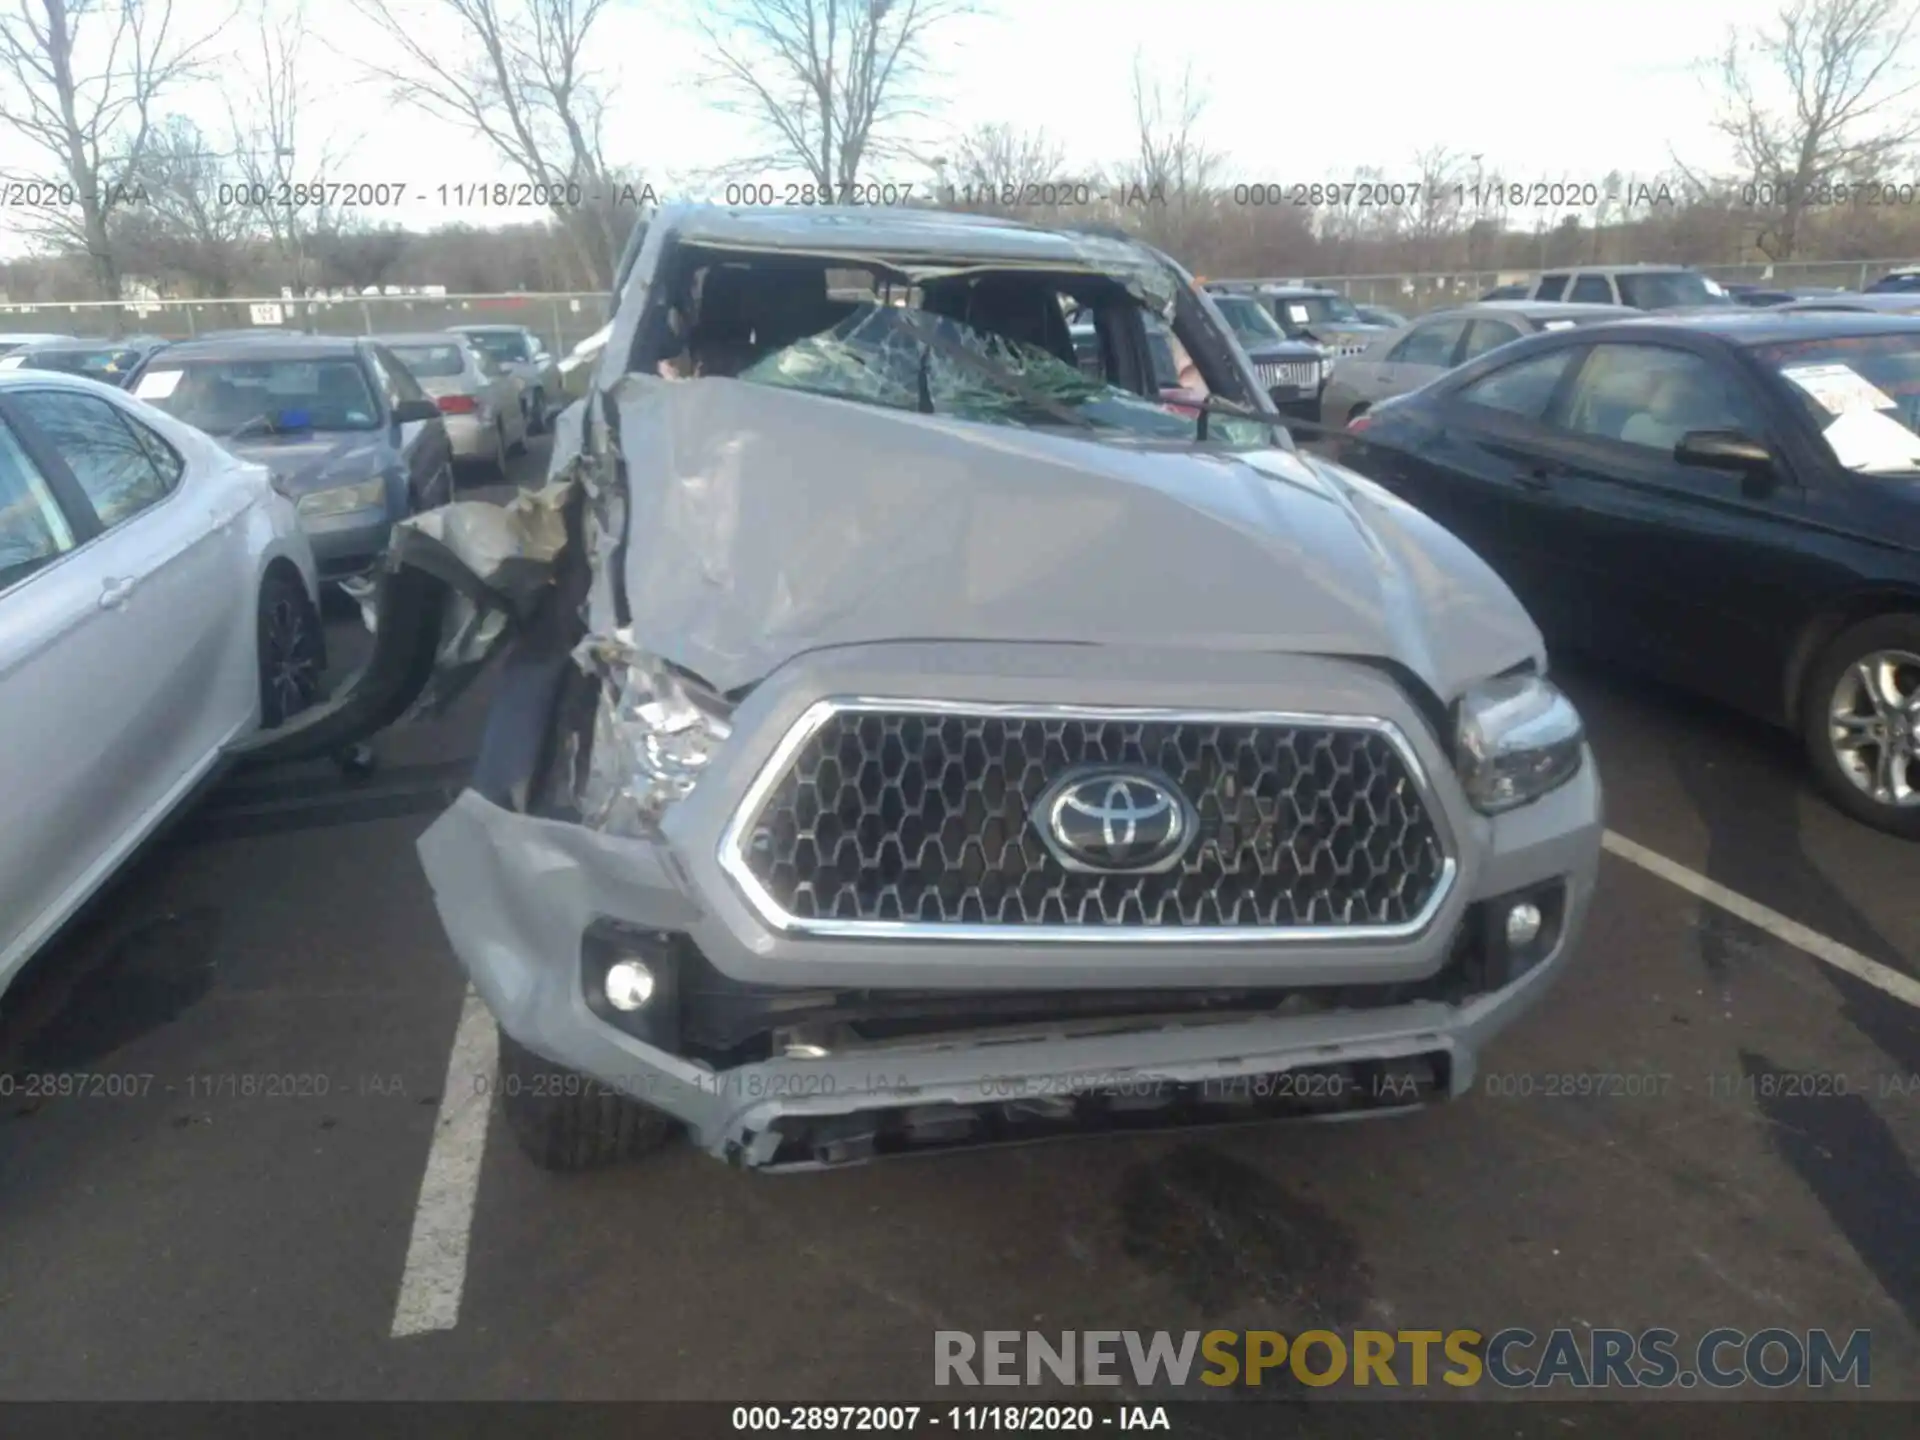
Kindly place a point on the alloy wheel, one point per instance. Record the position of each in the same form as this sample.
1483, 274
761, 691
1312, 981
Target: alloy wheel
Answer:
293, 656
1874, 726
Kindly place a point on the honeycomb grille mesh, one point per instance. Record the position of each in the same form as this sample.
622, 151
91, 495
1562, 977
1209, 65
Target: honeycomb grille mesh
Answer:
884, 816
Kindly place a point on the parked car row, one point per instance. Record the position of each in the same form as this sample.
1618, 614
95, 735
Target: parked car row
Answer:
512, 351
168, 514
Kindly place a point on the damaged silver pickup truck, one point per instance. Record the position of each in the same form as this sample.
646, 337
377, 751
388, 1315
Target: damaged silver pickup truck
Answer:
908, 738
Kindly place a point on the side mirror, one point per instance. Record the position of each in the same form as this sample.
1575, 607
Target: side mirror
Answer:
1728, 450
410, 412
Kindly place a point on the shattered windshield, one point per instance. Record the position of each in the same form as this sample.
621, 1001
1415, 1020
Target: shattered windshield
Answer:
915, 360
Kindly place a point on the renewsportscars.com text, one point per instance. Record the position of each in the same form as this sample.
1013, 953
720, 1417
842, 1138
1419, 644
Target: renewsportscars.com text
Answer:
1511, 1359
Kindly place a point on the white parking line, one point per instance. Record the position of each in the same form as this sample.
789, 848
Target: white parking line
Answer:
1830, 952
436, 1270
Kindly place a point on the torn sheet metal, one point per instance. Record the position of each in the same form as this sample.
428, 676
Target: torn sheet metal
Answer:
767, 522
653, 737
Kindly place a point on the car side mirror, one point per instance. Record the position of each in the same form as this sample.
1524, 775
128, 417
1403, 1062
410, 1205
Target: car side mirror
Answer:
1730, 450
410, 412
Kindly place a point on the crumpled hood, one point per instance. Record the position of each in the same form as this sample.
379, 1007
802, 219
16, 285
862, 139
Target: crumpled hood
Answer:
306, 462
765, 523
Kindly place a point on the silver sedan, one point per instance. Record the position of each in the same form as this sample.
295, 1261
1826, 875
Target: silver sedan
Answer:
158, 605
1432, 345
524, 355
483, 403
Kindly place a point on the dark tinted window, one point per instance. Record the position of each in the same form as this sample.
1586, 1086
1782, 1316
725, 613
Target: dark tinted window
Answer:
1429, 344
1591, 290
33, 528
502, 344
1667, 290
438, 362
1650, 395
1552, 287
1488, 335
99, 445
1522, 388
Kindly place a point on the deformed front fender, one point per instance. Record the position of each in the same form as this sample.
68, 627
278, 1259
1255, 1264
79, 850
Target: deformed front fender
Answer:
454, 583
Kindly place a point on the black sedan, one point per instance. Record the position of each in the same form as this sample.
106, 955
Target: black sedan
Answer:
1729, 502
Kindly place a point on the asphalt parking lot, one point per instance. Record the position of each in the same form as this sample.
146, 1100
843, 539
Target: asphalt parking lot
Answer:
216, 1236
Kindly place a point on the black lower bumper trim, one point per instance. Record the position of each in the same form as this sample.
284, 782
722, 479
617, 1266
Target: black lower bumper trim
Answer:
1108, 1106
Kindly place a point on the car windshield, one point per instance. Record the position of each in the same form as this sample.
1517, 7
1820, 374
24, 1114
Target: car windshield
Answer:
432, 362
1250, 320
915, 360
1669, 290
221, 396
501, 344
1862, 392
96, 364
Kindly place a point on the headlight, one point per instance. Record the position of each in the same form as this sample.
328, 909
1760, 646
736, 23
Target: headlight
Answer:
1515, 738
343, 499
653, 734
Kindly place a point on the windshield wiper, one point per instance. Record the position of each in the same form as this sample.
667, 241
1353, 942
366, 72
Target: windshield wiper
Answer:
243, 429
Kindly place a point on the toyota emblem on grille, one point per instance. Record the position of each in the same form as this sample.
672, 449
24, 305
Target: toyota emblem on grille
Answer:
1115, 819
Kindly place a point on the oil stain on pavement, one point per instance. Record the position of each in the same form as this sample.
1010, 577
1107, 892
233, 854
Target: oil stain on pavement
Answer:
1225, 1234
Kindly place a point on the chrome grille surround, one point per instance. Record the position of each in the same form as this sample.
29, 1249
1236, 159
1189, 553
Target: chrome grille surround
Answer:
769, 859
1302, 374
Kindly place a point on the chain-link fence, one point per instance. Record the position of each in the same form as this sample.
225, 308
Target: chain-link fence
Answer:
1415, 294
563, 321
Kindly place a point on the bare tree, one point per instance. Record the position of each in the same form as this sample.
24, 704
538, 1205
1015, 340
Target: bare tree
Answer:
1167, 186
195, 224
996, 166
1433, 213
520, 81
80, 80
827, 82
274, 151
1838, 68
1172, 160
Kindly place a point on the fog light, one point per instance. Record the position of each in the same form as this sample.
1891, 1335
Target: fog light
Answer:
805, 1050
629, 984
1523, 924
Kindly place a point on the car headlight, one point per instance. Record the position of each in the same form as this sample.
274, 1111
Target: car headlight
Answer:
654, 733
1515, 738
342, 499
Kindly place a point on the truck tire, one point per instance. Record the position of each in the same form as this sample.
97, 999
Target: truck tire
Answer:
565, 1121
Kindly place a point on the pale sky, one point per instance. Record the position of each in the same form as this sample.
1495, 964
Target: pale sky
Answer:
1297, 92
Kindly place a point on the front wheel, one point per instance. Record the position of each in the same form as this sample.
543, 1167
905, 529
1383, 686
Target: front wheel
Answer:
1860, 718
566, 1121
292, 649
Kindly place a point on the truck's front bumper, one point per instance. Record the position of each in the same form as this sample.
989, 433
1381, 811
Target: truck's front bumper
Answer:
522, 898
